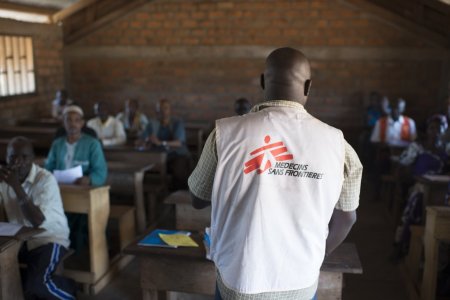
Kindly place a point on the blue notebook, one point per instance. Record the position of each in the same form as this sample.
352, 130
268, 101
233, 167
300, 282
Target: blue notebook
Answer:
153, 239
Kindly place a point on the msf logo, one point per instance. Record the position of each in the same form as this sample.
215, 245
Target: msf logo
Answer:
261, 162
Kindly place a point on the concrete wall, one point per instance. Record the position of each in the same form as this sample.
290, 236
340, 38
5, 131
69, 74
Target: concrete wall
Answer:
47, 44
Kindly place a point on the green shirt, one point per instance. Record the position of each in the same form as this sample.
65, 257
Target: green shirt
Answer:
88, 153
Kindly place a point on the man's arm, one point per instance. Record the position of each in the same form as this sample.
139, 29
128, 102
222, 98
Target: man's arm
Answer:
340, 224
30, 211
198, 203
202, 178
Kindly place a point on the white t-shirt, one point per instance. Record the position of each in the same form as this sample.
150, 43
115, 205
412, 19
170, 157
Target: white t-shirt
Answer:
41, 188
111, 132
394, 131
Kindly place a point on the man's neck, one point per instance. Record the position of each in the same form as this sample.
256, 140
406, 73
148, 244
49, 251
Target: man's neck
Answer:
71, 139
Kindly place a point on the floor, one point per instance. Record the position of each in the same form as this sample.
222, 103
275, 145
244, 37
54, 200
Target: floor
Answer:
372, 235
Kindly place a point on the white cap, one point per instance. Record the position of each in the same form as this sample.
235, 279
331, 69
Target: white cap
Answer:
73, 108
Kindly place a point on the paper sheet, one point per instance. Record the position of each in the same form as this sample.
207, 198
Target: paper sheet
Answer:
9, 229
178, 240
68, 176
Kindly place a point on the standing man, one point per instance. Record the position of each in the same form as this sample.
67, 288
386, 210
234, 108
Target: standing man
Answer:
61, 100
30, 197
108, 129
283, 187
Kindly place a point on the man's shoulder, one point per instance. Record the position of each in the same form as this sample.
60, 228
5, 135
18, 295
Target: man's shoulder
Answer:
43, 176
87, 139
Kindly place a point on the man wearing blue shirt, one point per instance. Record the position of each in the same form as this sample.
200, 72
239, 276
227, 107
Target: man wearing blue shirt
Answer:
167, 133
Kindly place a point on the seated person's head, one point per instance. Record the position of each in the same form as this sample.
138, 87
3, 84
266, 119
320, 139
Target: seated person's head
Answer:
436, 126
131, 106
163, 109
61, 96
242, 106
20, 156
398, 109
73, 120
101, 110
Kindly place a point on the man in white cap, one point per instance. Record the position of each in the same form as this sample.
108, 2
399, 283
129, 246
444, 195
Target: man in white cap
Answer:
78, 149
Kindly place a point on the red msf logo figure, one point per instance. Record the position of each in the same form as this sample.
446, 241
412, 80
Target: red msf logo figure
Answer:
260, 163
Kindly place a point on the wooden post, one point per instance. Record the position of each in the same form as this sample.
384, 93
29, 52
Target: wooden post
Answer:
437, 228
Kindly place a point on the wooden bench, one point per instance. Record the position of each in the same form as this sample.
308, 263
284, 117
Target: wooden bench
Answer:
152, 182
123, 215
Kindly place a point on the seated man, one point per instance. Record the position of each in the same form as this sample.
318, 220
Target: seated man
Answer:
242, 106
109, 130
58, 104
167, 133
394, 129
30, 197
77, 148
132, 119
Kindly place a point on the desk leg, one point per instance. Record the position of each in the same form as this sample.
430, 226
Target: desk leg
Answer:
431, 264
98, 219
139, 201
10, 283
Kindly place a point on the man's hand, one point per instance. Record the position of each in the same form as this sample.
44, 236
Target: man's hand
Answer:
85, 181
10, 176
154, 140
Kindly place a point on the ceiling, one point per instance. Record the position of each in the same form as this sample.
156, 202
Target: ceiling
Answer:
57, 4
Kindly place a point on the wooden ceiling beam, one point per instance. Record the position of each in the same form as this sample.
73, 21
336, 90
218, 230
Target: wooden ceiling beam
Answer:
28, 8
72, 9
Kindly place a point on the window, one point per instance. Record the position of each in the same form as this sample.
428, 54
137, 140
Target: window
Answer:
16, 65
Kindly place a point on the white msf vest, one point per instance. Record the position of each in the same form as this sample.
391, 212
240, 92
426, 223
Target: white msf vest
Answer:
278, 179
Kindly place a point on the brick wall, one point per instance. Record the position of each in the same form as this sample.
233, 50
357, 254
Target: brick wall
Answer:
47, 46
204, 54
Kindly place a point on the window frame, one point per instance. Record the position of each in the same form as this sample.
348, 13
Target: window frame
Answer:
35, 72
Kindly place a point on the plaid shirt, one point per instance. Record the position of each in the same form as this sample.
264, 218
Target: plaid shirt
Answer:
202, 179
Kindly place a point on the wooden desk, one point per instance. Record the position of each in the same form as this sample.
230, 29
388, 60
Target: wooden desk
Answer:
93, 201
126, 177
41, 137
435, 190
195, 132
187, 270
437, 230
10, 282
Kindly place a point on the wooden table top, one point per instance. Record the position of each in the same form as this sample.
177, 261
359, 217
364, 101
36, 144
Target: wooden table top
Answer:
24, 234
344, 259
128, 167
434, 180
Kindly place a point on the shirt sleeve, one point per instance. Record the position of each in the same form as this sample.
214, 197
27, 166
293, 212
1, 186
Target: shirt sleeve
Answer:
143, 122
120, 136
179, 133
409, 155
202, 178
99, 169
349, 198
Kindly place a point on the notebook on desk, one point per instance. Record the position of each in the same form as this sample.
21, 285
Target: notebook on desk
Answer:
154, 239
